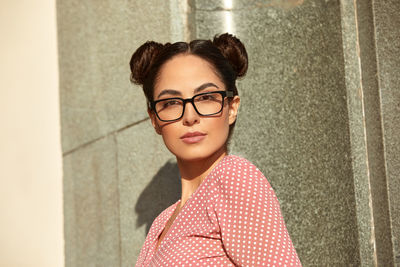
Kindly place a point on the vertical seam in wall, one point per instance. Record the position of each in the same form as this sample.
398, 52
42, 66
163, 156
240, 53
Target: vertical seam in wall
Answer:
347, 60
181, 20
373, 241
379, 190
190, 32
119, 198
382, 127
186, 23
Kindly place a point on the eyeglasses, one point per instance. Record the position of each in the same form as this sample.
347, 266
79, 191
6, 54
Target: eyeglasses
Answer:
205, 104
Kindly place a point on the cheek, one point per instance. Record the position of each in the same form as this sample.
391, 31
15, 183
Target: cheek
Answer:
222, 123
170, 132
219, 128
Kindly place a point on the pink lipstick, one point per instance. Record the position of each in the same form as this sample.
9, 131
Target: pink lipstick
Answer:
192, 138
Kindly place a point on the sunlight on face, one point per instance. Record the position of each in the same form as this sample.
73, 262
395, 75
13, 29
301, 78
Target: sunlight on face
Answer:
185, 76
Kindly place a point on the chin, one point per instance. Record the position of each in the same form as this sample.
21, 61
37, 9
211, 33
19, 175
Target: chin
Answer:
194, 154
191, 155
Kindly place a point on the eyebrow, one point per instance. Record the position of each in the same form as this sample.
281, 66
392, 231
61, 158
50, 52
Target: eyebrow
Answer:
177, 93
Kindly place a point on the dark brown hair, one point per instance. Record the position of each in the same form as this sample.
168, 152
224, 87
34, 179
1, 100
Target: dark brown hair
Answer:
226, 54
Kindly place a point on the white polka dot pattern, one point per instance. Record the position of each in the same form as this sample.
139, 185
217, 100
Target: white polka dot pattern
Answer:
232, 219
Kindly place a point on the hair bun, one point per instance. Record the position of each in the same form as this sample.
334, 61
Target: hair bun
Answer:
142, 60
234, 51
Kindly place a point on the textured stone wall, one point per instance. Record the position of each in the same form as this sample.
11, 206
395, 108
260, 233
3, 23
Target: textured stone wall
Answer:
293, 121
319, 116
115, 167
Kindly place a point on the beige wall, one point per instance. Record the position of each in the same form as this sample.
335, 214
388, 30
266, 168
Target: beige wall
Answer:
31, 218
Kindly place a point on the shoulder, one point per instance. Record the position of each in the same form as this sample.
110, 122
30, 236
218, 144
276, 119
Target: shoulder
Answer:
233, 162
233, 165
238, 171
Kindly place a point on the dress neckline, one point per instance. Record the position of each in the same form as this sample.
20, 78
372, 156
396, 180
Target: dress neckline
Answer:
197, 189
173, 208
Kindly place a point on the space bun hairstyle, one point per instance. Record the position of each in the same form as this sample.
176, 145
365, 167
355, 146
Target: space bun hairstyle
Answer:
226, 54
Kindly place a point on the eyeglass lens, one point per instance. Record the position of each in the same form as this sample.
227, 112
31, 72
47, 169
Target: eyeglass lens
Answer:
206, 104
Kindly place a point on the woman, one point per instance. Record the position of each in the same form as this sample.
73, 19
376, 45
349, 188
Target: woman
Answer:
228, 214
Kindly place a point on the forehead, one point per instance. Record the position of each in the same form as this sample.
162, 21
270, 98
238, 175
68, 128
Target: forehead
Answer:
185, 73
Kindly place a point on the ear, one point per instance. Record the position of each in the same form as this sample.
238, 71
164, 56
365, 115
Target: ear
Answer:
154, 121
233, 109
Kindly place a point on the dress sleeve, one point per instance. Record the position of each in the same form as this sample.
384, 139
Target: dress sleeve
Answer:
252, 228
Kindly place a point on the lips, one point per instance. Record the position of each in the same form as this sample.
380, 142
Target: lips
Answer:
193, 137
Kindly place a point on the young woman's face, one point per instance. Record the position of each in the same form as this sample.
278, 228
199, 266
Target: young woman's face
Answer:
185, 76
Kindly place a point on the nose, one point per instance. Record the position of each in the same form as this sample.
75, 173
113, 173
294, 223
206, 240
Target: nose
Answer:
190, 116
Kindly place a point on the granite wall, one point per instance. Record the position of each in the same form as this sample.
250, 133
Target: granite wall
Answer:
319, 116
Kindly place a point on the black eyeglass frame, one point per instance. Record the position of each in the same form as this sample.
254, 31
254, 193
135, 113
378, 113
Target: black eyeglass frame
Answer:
191, 100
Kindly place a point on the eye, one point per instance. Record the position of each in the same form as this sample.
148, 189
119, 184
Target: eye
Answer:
208, 97
170, 103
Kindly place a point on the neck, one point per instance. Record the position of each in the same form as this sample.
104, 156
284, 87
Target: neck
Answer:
194, 172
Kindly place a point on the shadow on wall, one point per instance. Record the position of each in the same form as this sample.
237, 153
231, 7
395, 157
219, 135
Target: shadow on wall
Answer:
163, 191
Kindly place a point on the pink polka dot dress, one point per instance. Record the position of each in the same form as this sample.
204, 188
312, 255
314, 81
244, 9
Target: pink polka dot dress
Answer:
232, 219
